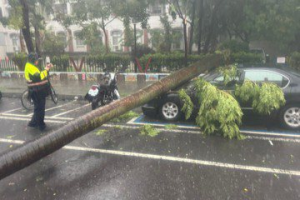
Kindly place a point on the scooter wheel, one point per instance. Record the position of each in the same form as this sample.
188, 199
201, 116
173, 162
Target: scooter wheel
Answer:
94, 105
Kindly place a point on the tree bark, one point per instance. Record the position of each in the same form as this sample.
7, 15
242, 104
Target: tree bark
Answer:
37, 40
22, 44
105, 37
32, 151
192, 27
185, 42
26, 26
200, 24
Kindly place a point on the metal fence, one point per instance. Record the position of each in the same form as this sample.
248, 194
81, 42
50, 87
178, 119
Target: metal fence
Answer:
61, 65
8, 65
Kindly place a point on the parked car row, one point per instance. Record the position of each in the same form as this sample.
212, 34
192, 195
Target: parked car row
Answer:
168, 106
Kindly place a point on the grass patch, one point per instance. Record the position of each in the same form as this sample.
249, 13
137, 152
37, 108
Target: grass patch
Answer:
149, 130
125, 117
171, 126
100, 132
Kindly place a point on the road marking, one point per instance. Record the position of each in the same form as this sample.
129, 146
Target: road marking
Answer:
69, 111
280, 139
53, 108
175, 159
27, 119
58, 121
137, 121
9, 111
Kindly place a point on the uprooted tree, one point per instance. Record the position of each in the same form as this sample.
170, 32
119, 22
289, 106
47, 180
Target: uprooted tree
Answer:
32, 151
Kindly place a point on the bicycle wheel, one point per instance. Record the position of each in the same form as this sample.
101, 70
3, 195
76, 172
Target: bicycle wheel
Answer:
53, 95
26, 100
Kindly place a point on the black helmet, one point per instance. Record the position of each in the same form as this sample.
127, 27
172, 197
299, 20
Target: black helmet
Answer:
32, 57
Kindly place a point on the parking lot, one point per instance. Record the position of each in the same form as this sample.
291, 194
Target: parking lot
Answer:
116, 162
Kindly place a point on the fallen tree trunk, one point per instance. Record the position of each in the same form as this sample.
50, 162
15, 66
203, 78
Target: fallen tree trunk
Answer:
32, 151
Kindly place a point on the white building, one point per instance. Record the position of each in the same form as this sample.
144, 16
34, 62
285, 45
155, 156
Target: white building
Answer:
9, 38
10, 42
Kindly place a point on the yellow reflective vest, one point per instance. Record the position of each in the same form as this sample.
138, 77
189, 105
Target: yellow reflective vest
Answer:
33, 74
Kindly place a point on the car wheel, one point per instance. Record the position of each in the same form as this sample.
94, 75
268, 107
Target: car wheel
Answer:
290, 116
170, 110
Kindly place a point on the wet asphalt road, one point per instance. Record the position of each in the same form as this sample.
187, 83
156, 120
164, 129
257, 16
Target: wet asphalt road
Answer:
116, 162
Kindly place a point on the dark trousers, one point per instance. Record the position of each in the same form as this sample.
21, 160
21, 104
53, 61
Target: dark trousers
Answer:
39, 102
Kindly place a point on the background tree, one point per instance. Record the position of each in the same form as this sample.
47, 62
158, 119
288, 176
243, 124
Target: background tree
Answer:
91, 36
29, 13
53, 44
95, 12
181, 9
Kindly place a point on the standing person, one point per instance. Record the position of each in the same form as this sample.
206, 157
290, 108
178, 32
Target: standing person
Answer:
38, 88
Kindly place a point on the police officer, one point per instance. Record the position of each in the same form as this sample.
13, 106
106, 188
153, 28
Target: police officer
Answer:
38, 88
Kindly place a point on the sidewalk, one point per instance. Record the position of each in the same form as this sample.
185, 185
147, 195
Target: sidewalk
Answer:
66, 89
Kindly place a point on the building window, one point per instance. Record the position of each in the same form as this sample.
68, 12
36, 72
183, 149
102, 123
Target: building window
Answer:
156, 9
78, 40
2, 39
116, 40
15, 39
139, 37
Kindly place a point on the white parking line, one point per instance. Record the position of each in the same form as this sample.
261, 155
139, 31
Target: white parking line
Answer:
58, 121
9, 111
132, 122
53, 108
176, 159
27, 119
69, 111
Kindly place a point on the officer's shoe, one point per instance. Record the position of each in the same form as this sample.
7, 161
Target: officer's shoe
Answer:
32, 124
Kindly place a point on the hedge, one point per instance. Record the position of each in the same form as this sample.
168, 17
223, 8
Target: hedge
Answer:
159, 62
294, 60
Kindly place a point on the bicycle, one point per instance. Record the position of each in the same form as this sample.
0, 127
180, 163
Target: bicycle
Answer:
27, 102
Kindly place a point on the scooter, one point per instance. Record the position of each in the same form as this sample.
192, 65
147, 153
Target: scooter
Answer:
102, 94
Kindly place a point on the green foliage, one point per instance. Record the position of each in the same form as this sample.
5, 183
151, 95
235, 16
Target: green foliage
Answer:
170, 62
264, 99
246, 58
247, 92
219, 112
91, 37
271, 98
100, 132
229, 72
109, 61
234, 46
142, 50
60, 63
54, 44
170, 126
20, 60
15, 16
125, 117
149, 130
294, 60
188, 105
